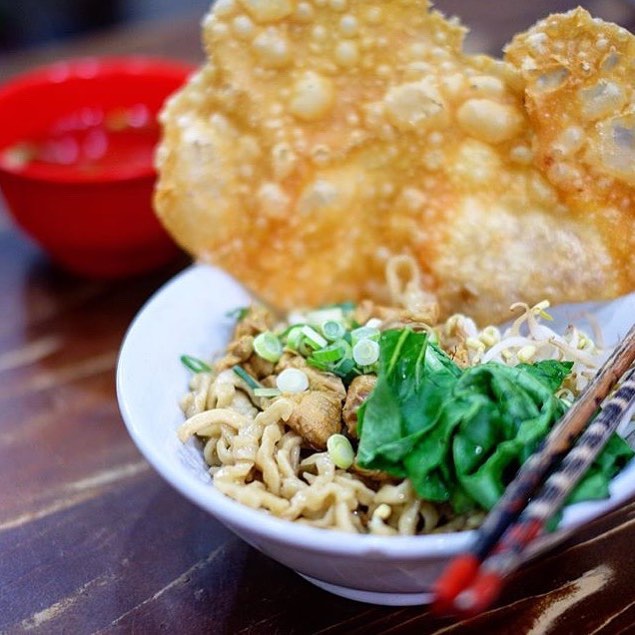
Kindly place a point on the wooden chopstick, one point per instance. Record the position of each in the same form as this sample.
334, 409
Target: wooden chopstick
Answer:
467, 569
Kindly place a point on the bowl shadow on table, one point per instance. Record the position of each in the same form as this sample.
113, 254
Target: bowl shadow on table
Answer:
199, 574
194, 573
186, 571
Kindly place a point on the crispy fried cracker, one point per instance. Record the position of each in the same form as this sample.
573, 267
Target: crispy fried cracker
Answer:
323, 137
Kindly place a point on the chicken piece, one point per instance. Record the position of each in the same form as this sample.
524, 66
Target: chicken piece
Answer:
257, 320
238, 351
372, 477
318, 413
316, 416
318, 380
357, 393
321, 139
258, 367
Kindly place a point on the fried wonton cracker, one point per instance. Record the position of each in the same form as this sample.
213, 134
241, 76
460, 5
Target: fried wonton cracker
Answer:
321, 138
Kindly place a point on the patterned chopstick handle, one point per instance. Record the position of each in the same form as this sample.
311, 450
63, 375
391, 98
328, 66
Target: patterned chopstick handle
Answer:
575, 464
554, 447
507, 556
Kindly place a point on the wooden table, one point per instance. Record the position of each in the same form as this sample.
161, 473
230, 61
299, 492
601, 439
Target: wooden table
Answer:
92, 540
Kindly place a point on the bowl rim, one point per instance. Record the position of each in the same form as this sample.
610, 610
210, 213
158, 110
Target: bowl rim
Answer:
87, 68
317, 540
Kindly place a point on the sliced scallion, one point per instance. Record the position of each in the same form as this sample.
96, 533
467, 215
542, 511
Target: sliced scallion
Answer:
332, 330
284, 333
373, 323
268, 346
194, 364
313, 338
347, 307
344, 368
332, 353
319, 365
294, 338
366, 352
340, 451
246, 377
365, 333
292, 380
238, 314
267, 392
321, 315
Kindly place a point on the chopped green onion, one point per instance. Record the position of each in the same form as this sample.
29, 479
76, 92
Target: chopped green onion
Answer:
238, 314
268, 346
294, 338
332, 353
319, 365
246, 377
313, 338
347, 307
366, 352
340, 451
365, 333
292, 380
344, 367
322, 315
332, 330
194, 364
267, 392
283, 334
373, 323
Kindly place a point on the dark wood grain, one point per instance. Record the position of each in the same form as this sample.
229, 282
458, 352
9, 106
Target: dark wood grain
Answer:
92, 540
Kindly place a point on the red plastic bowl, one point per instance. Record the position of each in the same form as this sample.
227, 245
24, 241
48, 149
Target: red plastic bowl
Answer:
97, 224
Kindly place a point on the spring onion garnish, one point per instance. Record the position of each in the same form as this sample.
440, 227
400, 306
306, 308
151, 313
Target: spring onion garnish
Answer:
334, 314
238, 314
373, 323
246, 377
294, 338
313, 338
332, 353
266, 392
345, 367
365, 333
366, 352
347, 307
194, 364
340, 451
292, 380
268, 346
332, 330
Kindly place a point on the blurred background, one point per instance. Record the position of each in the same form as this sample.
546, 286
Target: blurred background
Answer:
25, 24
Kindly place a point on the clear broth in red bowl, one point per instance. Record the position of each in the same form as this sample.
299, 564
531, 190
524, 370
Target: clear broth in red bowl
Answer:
88, 141
76, 160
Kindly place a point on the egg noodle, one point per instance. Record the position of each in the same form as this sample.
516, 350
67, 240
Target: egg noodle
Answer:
257, 460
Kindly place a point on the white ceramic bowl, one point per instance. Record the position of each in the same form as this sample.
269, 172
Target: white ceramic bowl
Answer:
188, 316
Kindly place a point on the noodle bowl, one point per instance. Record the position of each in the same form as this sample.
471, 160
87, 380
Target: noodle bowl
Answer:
188, 315
258, 460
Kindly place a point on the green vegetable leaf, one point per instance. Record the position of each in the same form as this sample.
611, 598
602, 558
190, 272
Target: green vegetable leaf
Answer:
412, 383
461, 435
